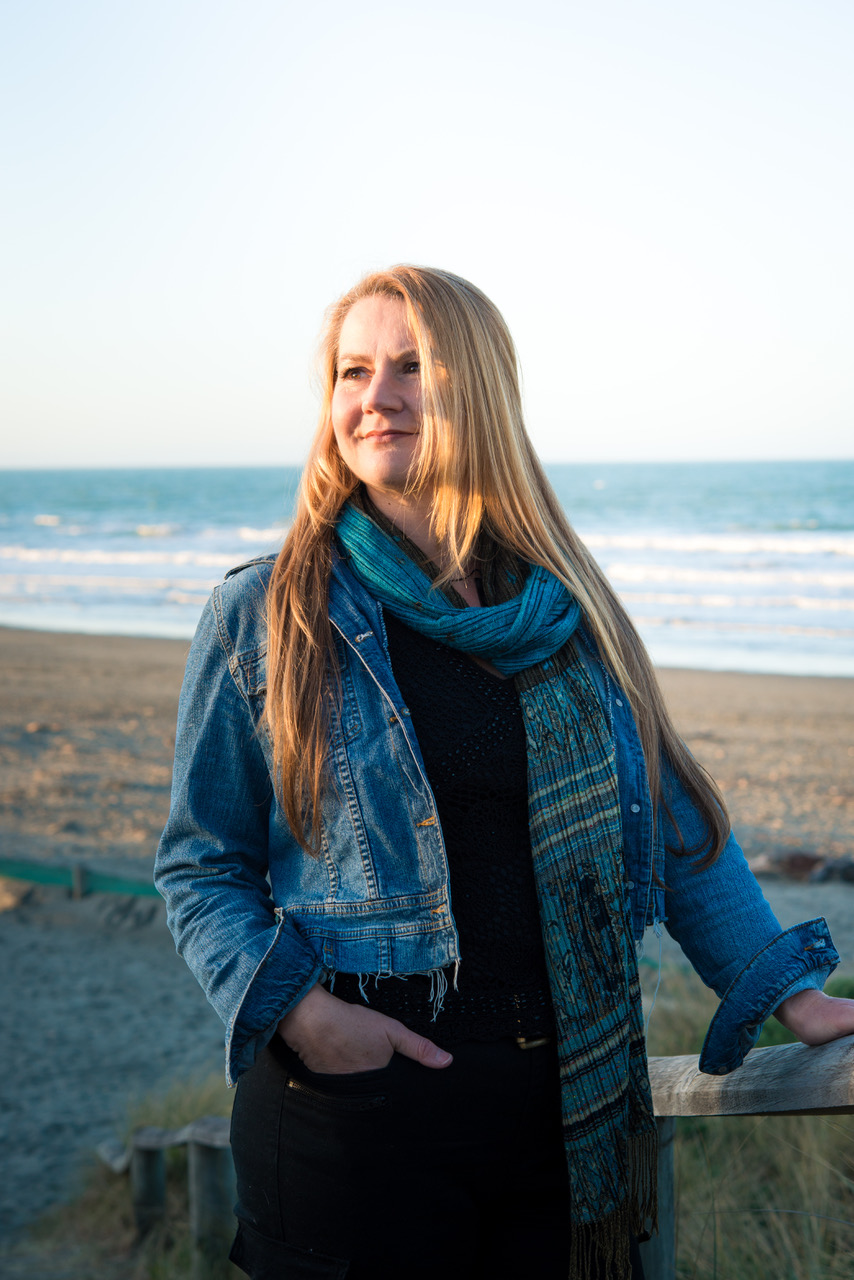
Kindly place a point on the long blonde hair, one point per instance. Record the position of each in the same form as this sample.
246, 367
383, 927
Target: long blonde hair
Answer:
485, 477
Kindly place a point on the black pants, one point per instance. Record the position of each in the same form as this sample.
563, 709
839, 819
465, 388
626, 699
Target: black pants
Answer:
405, 1171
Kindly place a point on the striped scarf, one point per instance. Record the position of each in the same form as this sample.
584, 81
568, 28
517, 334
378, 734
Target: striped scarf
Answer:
525, 630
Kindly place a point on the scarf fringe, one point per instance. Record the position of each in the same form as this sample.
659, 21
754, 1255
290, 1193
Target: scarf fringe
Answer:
643, 1183
602, 1247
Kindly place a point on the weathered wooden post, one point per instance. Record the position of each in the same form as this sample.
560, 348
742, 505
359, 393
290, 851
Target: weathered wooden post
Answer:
147, 1183
658, 1255
78, 880
212, 1197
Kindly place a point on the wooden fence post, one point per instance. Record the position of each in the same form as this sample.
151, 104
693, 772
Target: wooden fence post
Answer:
147, 1160
658, 1255
212, 1196
78, 880
148, 1186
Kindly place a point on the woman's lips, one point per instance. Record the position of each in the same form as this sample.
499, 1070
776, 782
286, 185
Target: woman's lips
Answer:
388, 434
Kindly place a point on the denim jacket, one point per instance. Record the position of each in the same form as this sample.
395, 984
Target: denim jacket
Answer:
259, 921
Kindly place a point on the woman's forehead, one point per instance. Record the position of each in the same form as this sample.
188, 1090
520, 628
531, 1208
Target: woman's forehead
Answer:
378, 320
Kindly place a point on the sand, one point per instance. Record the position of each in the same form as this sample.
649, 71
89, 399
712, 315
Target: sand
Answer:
782, 750
87, 731
97, 1009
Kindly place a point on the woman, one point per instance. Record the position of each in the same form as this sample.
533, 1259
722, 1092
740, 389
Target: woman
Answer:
426, 798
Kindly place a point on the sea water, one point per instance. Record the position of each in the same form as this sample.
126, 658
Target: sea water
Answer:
738, 566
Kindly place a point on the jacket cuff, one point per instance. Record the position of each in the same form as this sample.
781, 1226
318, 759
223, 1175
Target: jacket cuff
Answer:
787, 963
287, 972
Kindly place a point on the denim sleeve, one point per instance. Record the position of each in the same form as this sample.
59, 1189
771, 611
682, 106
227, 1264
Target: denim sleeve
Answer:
722, 922
211, 865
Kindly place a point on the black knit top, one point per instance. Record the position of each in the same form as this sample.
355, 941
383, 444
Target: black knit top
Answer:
468, 723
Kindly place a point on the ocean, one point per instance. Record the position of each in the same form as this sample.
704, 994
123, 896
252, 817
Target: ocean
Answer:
722, 566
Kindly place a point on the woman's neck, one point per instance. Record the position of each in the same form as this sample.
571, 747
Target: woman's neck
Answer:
411, 514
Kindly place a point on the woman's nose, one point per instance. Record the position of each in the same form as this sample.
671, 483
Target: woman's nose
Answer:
381, 393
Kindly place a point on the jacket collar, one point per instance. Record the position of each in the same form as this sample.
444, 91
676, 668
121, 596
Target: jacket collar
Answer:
352, 609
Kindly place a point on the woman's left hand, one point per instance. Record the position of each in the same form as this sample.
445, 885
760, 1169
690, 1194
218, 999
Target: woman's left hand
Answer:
816, 1018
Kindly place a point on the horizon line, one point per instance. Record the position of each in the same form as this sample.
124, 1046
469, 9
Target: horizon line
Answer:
289, 466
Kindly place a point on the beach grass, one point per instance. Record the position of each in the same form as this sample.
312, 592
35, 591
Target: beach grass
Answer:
756, 1196
761, 1196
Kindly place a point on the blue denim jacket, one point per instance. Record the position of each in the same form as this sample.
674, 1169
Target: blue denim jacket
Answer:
259, 921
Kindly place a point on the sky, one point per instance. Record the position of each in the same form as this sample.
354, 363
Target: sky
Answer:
658, 195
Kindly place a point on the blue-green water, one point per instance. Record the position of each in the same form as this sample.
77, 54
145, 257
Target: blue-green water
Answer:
746, 566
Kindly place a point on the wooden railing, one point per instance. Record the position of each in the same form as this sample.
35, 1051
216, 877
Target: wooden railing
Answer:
787, 1080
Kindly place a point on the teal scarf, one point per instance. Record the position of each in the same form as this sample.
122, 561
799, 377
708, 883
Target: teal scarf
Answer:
576, 840
519, 633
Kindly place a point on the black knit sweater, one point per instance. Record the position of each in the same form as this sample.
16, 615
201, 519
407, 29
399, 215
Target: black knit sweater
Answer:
469, 726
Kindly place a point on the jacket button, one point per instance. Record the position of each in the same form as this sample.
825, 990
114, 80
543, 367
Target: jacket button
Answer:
618, 702
635, 808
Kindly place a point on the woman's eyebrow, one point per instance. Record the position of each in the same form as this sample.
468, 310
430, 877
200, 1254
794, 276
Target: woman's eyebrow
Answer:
409, 354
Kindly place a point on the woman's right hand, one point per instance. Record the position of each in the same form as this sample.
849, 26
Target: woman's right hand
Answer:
333, 1037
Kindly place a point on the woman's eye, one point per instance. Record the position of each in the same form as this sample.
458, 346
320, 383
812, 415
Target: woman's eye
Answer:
412, 366
350, 373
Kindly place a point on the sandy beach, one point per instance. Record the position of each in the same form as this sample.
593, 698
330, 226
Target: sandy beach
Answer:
87, 729
98, 1009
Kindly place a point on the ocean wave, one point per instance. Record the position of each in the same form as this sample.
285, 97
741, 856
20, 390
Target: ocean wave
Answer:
97, 555
187, 597
624, 571
12, 584
274, 534
687, 600
725, 543
156, 530
723, 628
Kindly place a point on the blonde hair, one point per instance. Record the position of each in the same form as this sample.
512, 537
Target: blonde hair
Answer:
485, 477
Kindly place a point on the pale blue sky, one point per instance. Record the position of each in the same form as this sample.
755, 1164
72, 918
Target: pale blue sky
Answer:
658, 195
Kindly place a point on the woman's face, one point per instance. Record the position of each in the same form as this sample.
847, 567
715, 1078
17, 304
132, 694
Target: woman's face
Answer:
376, 404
